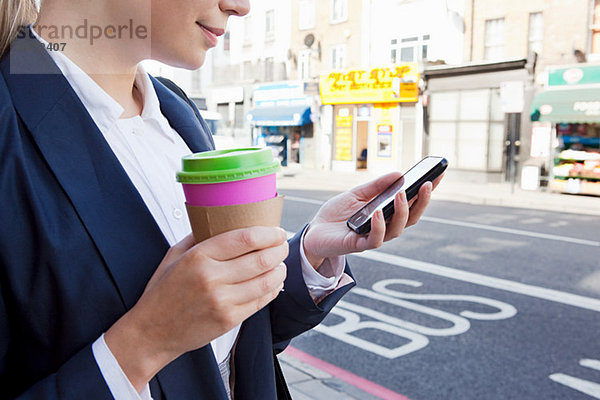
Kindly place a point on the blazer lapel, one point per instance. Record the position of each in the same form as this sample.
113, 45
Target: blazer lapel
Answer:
85, 166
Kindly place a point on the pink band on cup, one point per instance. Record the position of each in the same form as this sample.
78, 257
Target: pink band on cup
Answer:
231, 193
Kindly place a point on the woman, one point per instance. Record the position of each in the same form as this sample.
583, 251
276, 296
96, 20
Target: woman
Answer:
102, 291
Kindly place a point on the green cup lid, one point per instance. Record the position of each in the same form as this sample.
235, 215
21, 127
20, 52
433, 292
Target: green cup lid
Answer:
227, 165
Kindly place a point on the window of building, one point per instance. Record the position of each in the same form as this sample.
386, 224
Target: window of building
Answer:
239, 115
227, 41
410, 49
269, 69
223, 109
196, 80
270, 25
306, 14
494, 39
247, 30
596, 28
338, 11
536, 32
304, 64
337, 57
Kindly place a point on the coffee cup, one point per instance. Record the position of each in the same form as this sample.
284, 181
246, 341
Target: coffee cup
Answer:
230, 189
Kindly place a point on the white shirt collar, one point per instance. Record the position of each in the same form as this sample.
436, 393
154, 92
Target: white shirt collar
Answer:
104, 110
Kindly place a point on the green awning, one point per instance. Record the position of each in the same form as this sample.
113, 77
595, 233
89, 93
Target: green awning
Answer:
567, 106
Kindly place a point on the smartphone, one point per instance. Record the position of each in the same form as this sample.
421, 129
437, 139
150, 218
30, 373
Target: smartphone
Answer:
425, 170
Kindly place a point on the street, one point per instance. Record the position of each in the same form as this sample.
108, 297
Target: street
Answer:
474, 302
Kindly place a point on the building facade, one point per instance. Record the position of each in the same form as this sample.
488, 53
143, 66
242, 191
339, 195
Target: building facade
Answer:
552, 35
253, 50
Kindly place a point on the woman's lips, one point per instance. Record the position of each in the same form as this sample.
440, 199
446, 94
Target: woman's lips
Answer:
211, 33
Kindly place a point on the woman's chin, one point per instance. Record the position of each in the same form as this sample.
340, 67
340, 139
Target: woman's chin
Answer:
189, 61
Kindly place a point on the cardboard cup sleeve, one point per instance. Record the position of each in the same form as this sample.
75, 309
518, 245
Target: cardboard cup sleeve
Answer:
210, 221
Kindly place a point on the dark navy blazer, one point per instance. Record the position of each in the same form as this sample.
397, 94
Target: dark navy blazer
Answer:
78, 245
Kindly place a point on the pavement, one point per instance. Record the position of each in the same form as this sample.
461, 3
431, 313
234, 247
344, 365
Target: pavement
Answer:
452, 188
309, 378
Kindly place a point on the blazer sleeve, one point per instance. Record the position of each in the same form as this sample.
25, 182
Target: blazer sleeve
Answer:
78, 378
294, 310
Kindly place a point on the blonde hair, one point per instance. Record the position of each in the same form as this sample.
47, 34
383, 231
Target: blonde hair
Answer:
15, 14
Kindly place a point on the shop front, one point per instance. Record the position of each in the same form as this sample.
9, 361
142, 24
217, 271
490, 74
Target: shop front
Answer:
372, 117
467, 122
566, 129
282, 120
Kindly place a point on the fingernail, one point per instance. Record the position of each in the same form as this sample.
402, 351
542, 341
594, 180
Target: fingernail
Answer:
403, 197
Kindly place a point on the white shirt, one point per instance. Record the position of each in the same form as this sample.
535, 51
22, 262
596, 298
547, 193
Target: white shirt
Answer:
150, 152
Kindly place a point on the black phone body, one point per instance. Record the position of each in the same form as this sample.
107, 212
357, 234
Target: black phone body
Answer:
425, 170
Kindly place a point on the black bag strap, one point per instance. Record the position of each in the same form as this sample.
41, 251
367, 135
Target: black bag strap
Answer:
179, 92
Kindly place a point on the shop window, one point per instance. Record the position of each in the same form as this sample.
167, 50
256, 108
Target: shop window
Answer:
337, 57
338, 11
467, 127
596, 28
536, 32
494, 39
306, 14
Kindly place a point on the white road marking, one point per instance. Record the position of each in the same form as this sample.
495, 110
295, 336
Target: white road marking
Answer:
512, 231
352, 323
416, 334
304, 200
593, 364
557, 296
504, 310
581, 385
484, 280
492, 228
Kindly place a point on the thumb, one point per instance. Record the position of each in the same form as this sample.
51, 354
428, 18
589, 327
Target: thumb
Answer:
173, 254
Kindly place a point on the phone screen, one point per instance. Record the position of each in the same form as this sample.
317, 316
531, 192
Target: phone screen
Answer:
405, 181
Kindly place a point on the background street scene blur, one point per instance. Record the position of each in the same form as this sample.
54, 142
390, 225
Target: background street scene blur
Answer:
495, 294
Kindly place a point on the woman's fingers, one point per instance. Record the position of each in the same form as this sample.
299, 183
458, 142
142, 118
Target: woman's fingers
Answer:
374, 238
398, 221
233, 244
418, 207
256, 263
255, 289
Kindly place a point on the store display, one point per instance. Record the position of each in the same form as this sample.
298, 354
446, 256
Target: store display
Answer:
577, 161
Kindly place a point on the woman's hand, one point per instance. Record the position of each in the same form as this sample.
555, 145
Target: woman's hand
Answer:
198, 293
329, 236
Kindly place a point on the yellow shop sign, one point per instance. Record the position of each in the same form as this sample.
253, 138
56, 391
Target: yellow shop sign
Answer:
394, 84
